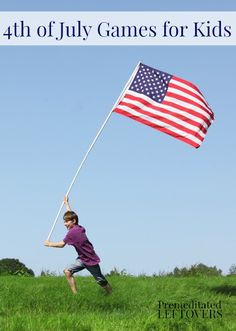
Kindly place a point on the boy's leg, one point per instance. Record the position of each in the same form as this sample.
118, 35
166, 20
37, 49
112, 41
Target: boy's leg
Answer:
101, 280
77, 266
71, 280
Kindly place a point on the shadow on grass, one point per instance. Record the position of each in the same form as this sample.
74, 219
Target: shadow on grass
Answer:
225, 289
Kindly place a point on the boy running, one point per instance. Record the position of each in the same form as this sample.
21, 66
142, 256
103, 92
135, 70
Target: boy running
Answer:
87, 258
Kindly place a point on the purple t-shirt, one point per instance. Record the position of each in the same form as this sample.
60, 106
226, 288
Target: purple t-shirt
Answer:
76, 237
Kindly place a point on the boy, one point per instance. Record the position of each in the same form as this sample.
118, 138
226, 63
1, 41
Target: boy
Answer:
87, 258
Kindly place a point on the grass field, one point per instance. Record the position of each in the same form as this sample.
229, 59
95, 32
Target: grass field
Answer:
46, 304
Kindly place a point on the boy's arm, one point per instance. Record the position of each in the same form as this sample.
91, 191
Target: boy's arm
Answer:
66, 202
59, 244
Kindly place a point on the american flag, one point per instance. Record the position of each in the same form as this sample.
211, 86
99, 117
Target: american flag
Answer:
167, 103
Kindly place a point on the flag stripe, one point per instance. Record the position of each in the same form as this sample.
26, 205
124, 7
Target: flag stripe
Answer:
187, 84
170, 124
185, 93
158, 111
188, 107
159, 127
171, 108
177, 82
190, 88
187, 101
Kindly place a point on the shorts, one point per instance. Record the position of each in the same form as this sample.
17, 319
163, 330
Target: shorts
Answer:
93, 269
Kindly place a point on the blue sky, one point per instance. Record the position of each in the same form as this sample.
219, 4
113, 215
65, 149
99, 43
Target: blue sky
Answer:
149, 202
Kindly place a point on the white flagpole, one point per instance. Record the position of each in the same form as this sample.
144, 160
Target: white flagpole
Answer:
91, 146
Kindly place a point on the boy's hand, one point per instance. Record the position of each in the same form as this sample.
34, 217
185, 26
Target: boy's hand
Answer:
66, 199
66, 202
47, 243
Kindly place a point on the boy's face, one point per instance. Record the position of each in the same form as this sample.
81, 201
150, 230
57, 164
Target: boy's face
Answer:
69, 224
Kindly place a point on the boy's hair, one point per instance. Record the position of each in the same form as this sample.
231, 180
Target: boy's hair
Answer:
70, 216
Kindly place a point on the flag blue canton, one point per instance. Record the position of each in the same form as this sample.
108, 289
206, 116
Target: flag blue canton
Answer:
151, 82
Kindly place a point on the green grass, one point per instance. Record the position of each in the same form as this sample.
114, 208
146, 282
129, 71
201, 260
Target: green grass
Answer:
46, 304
